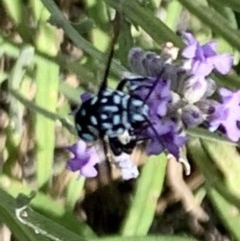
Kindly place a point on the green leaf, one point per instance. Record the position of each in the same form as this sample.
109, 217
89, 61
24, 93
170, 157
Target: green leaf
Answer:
14, 82
234, 4
125, 42
46, 97
145, 19
72, 94
41, 227
7, 216
173, 12
3, 76
74, 190
228, 81
212, 175
214, 20
14, 9
228, 213
23, 221
206, 135
85, 75
227, 159
47, 40
16, 109
149, 187
78, 40
45, 205
227, 13
147, 238
82, 26
47, 114
17, 10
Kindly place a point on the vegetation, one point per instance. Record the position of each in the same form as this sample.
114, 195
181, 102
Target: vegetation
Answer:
53, 51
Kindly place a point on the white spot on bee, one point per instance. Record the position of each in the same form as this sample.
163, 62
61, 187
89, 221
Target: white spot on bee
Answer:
137, 102
125, 121
116, 99
93, 130
116, 119
145, 109
104, 100
103, 116
120, 93
110, 133
120, 131
107, 125
107, 92
83, 112
79, 128
111, 108
93, 119
137, 117
94, 100
87, 137
125, 100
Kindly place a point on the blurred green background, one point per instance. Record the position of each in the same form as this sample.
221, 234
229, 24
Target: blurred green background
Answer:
52, 51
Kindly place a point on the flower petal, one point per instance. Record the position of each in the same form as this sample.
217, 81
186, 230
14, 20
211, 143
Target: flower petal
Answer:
189, 38
227, 115
209, 49
85, 96
202, 68
74, 164
189, 51
154, 147
78, 149
88, 171
222, 62
194, 89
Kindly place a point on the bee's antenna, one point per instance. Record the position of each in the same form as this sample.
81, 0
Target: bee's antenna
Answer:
116, 31
105, 168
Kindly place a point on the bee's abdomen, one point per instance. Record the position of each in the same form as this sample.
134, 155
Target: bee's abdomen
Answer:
109, 114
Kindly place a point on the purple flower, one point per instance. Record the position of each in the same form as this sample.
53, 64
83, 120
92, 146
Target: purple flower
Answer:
195, 88
192, 116
204, 58
85, 96
160, 98
227, 114
157, 95
163, 135
135, 57
84, 159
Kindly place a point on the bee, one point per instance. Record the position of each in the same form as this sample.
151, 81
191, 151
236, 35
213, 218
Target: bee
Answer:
111, 113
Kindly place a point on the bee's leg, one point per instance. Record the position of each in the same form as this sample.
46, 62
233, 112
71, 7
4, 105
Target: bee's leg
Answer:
116, 146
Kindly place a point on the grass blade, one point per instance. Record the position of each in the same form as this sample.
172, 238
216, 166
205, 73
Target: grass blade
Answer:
7, 216
47, 206
47, 80
78, 40
173, 12
234, 4
143, 206
212, 175
228, 213
147, 238
145, 19
214, 20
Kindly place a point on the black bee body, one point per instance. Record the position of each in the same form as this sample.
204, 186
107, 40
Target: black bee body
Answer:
110, 113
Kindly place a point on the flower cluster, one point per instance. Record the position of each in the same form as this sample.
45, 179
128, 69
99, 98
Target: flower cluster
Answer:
179, 94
